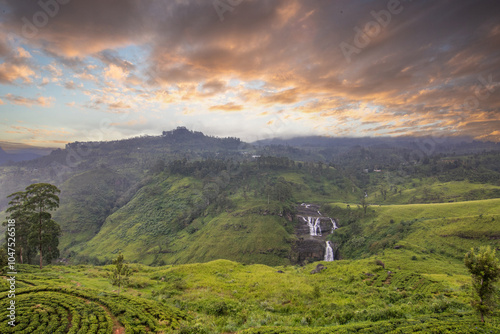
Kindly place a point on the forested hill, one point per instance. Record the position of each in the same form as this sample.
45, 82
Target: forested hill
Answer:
186, 197
178, 143
131, 157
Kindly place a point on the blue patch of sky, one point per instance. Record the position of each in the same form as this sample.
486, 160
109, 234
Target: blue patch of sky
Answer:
255, 84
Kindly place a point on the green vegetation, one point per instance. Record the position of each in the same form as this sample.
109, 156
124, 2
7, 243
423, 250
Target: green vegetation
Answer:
120, 273
87, 199
226, 297
42, 308
36, 229
485, 270
440, 229
211, 230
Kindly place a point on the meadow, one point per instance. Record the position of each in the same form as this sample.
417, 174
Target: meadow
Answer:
419, 286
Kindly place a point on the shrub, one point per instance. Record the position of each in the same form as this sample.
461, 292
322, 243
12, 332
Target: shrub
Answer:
380, 263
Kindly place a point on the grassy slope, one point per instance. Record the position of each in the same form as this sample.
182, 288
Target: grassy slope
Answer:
426, 190
428, 286
86, 200
446, 228
157, 225
435, 242
154, 213
250, 239
225, 297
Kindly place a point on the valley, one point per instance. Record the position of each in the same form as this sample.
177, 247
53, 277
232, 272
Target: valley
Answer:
224, 236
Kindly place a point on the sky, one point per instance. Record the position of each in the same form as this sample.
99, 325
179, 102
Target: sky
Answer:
86, 70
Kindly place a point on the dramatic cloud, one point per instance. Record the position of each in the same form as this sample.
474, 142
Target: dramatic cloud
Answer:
15, 65
381, 67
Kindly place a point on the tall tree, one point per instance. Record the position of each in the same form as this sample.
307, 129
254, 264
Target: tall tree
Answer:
42, 198
18, 211
30, 209
484, 267
121, 272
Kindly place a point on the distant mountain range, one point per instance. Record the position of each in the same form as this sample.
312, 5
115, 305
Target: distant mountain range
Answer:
430, 145
14, 152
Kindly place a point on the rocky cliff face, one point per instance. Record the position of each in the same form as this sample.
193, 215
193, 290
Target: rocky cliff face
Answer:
312, 230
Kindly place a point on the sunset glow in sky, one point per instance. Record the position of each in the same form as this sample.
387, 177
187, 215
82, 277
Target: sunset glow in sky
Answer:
80, 70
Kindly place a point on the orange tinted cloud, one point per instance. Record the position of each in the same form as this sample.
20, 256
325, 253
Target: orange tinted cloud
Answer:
231, 106
10, 72
37, 132
24, 101
419, 74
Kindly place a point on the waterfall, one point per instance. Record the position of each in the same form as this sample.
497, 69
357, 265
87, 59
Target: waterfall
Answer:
334, 225
314, 229
328, 252
317, 227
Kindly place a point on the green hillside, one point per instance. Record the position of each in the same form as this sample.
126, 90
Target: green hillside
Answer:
186, 197
171, 220
203, 210
217, 243
427, 231
229, 297
86, 201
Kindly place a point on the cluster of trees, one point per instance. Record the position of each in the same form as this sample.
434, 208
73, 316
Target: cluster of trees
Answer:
199, 168
182, 135
274, 163
36, 233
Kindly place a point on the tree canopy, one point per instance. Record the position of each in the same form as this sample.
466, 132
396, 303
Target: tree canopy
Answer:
121, 272
484, 267
36, 230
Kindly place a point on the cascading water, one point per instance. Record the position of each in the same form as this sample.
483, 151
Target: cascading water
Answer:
329, 252
310, 224
317, 227
314, 222
314, 229
334, 225
314, 246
